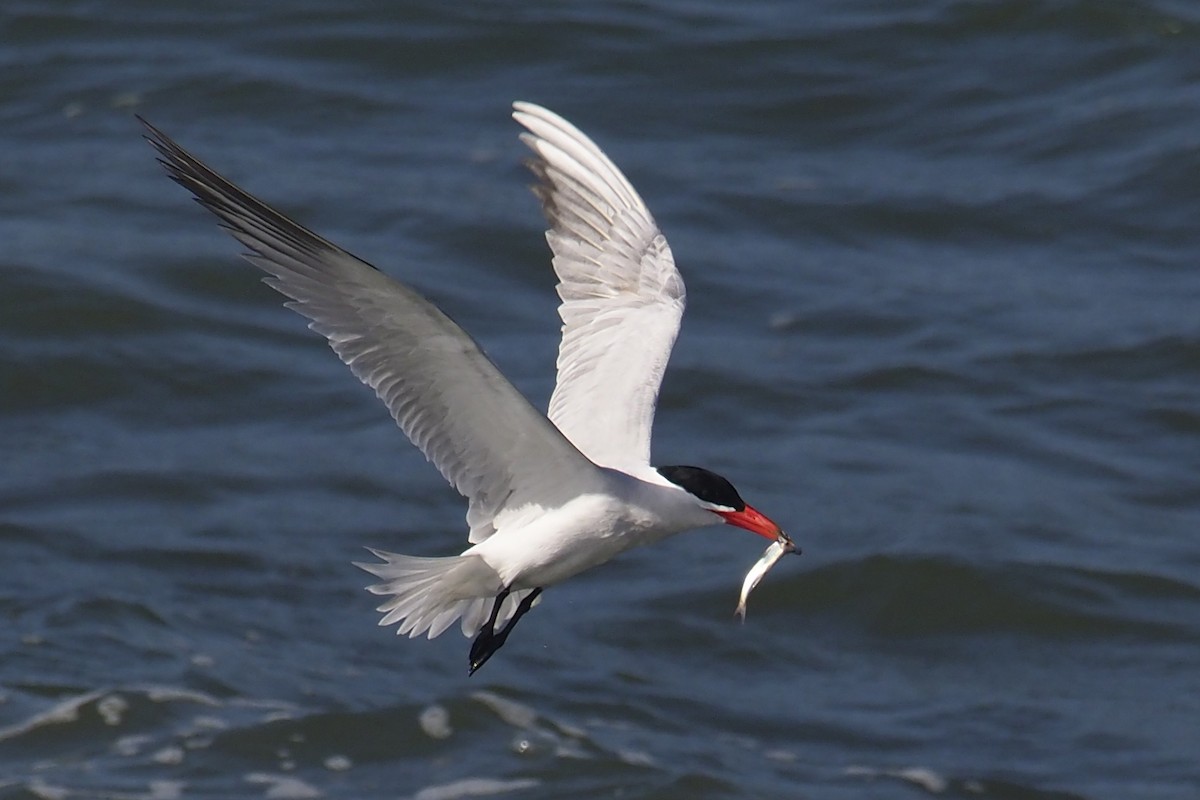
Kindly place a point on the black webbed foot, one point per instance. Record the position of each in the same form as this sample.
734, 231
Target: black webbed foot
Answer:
489, 641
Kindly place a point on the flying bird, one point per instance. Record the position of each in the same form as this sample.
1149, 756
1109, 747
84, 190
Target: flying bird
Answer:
549, 495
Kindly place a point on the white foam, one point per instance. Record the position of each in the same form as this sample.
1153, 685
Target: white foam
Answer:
130, 745
283, 787
169, 755
338, 763
112, 708
435, 722
516, 714
927, 779
473, 787
170, 694
922, 777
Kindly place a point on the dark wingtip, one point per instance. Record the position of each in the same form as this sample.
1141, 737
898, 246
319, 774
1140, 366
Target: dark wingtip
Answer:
168, 151
151, 134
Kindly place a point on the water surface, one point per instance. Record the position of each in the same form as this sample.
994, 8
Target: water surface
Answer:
942, 262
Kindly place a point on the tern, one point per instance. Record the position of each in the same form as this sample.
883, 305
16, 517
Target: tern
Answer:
549, 495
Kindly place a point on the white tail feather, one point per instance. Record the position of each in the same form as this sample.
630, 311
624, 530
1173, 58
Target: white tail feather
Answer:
429, 594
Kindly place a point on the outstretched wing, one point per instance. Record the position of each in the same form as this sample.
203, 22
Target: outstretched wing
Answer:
622, 297
452, 402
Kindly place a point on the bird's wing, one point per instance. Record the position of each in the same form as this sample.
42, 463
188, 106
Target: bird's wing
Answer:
446, 395
622, 297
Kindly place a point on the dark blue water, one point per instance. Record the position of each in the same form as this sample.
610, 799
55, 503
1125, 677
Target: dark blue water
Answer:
944, 278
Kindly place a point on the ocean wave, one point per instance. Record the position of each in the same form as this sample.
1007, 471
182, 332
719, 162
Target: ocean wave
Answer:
914, 596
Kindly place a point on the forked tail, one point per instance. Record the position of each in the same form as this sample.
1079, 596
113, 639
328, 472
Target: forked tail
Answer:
429, 594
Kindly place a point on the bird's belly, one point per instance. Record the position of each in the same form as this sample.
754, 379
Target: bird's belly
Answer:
556, 545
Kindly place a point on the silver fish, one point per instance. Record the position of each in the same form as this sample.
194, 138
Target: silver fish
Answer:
775, 551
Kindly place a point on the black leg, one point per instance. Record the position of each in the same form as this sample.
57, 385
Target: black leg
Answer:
488, 641
481, 649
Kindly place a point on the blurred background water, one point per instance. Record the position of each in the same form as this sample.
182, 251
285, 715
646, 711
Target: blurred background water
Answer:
944, 274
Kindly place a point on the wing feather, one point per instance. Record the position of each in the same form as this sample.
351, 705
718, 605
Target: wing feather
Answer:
622, 297
444, 393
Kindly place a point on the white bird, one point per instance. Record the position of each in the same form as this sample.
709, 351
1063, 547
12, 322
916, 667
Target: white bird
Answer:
549, 496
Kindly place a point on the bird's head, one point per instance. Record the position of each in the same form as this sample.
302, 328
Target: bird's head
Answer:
717, 495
